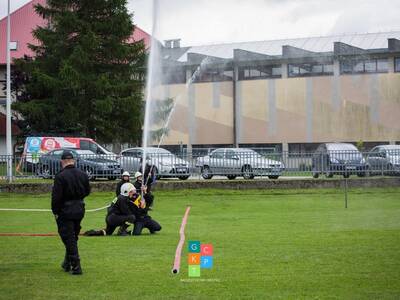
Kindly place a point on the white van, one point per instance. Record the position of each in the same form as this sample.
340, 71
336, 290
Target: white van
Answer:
36, 146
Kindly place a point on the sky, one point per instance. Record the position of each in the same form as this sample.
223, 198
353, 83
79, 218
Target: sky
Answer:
199, 22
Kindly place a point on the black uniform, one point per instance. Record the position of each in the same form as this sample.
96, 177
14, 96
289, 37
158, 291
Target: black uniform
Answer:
119, 214
149, 198
143, 220
149, 175
119, 184
71, 186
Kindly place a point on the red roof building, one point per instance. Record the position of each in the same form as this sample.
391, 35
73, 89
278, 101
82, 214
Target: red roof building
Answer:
24, 20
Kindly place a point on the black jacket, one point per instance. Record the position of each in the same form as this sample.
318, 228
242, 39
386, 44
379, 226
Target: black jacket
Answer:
70, 185
123, 206
138, 186
119, 184
148, 175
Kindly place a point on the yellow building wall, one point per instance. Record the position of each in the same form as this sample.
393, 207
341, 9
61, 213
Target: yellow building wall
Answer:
314, 109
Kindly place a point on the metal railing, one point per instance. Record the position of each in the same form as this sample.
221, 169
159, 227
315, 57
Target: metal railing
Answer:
229, 163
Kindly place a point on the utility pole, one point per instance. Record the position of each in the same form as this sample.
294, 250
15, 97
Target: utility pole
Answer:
8, 102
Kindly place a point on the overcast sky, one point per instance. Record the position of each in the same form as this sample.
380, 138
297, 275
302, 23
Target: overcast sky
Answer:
199, 22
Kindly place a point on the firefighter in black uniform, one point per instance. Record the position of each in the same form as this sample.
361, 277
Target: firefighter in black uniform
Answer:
140, 186
125, 178
71, 186
143, 220
120, 212
129, 208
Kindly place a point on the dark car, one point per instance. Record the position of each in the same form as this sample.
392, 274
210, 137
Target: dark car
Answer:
384, 160
94, 165
338, 158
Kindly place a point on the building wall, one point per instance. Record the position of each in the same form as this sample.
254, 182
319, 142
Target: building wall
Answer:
320, 109
203, 113
289, 110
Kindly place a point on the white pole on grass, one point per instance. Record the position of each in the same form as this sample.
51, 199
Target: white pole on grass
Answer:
8, 101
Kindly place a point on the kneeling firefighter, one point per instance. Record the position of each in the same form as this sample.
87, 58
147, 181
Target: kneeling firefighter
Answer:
143, 220
119, 213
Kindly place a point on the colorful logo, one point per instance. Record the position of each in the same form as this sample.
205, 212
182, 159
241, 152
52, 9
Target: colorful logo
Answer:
200, 257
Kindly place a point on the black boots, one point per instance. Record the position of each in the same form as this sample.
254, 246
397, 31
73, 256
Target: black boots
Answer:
75, 265
72, 264
66, 264
122, 230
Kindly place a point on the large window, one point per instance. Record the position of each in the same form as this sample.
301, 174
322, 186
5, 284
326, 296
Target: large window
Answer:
309, 69
212, 75
351, 66
397, 64
260, 72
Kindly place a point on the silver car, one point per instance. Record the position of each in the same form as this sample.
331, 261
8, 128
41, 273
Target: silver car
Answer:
165, 163
384, 160
233, 162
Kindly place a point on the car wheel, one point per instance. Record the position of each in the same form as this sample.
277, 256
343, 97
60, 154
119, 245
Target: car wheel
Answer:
346, 175
90, 173
315, 174
45, 172
329, 174
273, 177
247, 172
231, 177
183, 177
361, 174
111, 177
206, 172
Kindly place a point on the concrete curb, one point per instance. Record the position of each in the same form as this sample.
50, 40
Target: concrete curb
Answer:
221, 184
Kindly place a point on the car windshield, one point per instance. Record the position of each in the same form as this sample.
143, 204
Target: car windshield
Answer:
247, 152
344, 151
157, 151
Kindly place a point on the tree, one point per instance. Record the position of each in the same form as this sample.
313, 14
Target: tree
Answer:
86, 76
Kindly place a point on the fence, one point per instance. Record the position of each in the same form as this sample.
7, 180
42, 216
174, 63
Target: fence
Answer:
207, 164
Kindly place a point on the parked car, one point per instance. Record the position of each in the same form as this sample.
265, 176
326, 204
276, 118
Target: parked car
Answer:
165, 163
384, 160
94, 165
338, 158
234, 162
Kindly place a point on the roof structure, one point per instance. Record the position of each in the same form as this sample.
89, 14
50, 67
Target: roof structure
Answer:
24, 20
325, 44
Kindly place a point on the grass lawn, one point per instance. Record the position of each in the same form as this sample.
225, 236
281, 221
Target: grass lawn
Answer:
267, 245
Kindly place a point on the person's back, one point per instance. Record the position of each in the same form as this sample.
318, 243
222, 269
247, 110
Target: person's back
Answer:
70, 185
121, 206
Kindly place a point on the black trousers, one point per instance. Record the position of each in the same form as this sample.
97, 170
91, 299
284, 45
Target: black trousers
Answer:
113, 221
146, 222
69, 229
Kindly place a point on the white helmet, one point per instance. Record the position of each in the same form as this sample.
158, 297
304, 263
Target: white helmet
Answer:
126, 188
126, 173
138, 174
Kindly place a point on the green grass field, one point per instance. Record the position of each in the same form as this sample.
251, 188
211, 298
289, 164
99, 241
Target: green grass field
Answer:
267, 245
